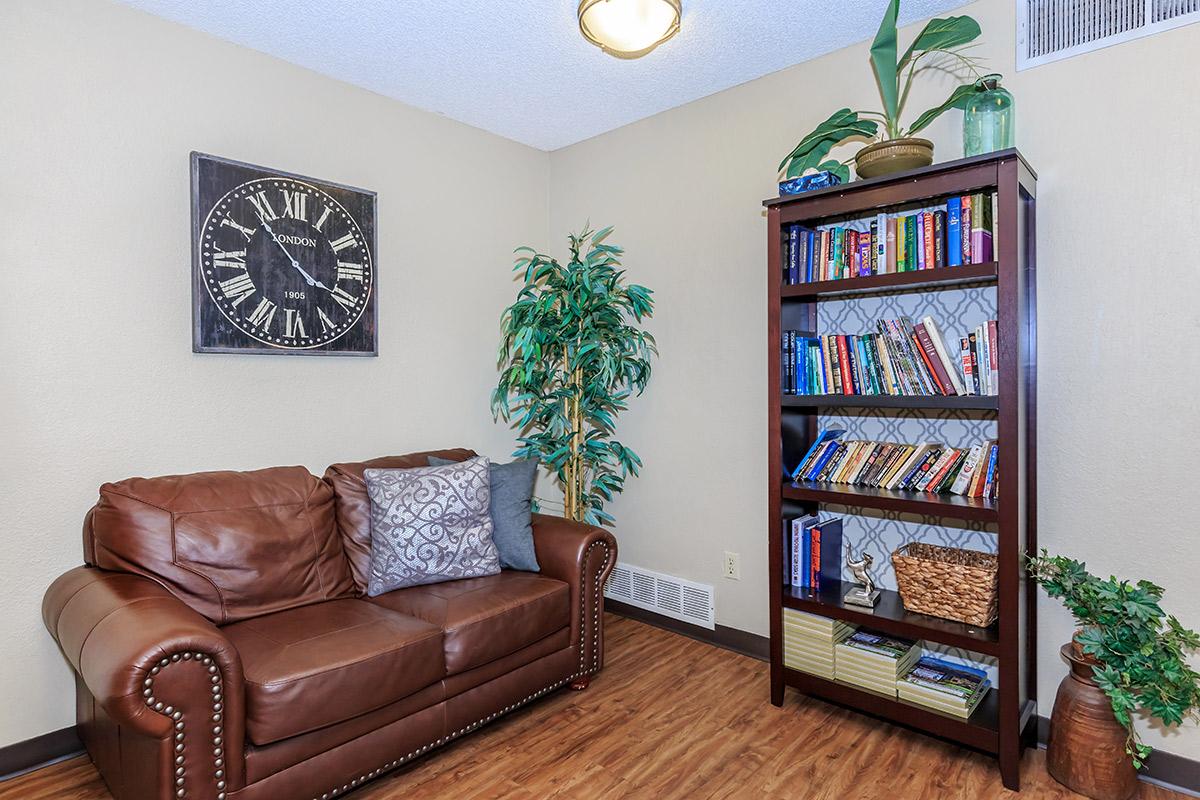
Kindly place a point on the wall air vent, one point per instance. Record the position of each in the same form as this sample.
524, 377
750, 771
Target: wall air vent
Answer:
1049, 30
663, 594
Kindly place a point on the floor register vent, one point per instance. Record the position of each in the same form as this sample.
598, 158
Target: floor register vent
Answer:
1049, 30
663, 594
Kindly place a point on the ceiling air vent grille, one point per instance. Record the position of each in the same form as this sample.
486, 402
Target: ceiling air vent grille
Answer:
663, 594
1049, 30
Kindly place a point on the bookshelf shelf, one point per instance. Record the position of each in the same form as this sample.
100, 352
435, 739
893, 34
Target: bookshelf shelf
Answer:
1003, 723
942, 505
890, 616
934, 402
980, 731
944, 278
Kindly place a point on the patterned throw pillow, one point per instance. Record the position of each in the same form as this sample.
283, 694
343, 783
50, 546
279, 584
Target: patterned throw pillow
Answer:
430, 524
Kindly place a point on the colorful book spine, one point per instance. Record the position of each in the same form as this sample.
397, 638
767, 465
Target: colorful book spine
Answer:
964, 228
919, 220
953, 232
929, 261
939, 239
891, 244
910, 244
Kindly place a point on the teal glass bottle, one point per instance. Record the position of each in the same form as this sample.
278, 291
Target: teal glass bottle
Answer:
988, 118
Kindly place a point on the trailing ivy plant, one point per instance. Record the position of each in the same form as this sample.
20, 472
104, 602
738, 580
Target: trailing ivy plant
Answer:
938, 47
1141, 651
572, 352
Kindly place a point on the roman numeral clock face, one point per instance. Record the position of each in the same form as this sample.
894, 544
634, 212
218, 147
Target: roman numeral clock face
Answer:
284, 262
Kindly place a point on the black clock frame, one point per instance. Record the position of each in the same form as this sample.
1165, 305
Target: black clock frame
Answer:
212, 331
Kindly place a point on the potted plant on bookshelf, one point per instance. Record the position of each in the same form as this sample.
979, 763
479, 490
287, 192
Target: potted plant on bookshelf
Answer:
938, 47
1126, 655
572, 353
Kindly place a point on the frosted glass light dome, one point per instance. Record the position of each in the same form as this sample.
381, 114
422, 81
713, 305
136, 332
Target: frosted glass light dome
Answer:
629, 28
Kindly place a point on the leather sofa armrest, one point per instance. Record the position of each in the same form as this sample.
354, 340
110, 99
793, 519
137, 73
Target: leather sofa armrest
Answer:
157, 667
582, 556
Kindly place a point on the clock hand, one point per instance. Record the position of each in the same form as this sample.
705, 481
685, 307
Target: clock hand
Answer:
295, 264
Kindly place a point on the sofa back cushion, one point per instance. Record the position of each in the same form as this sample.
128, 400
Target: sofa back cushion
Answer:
353, 506
232, 545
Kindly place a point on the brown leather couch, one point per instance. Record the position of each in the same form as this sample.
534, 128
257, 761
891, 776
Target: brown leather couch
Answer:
224, 647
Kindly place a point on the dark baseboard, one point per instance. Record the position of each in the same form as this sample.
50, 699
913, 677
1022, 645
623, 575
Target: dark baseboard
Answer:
1168, 770
739, 641
38, 752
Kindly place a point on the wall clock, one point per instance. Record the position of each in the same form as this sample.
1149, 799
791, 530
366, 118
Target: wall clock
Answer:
281, 263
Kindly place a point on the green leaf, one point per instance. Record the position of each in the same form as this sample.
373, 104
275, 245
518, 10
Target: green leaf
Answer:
957, 99
837, 168
941, 34
816, 152
837, 120
883, 60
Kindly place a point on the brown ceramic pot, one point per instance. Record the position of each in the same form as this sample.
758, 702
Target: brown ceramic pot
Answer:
893, 155
1086, 751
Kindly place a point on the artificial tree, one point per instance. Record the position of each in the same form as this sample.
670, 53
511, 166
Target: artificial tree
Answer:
572, 352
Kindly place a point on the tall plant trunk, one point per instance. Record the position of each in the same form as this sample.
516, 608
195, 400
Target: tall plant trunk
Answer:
578, 472
573, 477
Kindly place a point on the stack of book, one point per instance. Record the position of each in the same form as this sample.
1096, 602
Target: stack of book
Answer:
927, 467
811, 551
943, 686
874, 661
809, 639
960, 231
900, 358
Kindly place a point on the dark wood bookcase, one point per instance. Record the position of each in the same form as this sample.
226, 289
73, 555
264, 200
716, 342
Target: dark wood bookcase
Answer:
1005, 722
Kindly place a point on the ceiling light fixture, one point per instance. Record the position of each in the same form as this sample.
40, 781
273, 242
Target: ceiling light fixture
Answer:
629, 28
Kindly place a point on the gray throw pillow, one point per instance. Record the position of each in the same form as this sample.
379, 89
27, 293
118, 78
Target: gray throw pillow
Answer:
430, 524
512, 494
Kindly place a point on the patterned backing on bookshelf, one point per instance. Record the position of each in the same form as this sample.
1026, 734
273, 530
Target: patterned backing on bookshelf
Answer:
956, 311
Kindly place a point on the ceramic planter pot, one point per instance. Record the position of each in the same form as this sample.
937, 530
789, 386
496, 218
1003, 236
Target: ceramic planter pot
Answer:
1086, 751
893, 155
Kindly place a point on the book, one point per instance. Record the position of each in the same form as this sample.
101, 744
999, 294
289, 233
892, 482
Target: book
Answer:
825, 562
939, 239
823, 436
970, 466
929, 261
939, 346
919, 221
910, 243
891, 244
965, 360
981, 228
947, 678
993, 355
953, 232
964, 229
879, 646
973, 347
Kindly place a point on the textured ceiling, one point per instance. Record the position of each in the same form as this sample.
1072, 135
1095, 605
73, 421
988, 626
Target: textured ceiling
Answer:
520, 68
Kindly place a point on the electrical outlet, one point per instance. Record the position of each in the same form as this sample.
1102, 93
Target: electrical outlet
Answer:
733, 566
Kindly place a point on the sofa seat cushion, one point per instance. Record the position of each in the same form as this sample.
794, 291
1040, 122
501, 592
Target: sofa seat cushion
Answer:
483, 619
322, 664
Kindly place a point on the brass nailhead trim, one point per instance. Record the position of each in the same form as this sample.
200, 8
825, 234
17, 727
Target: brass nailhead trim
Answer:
583, 635
177, 715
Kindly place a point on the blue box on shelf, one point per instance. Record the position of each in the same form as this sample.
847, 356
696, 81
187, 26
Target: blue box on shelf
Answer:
806, 183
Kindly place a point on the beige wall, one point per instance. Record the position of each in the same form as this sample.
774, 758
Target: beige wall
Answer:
101, 106
1112, 134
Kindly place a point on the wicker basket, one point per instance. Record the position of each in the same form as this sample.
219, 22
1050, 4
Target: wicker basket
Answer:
947, 582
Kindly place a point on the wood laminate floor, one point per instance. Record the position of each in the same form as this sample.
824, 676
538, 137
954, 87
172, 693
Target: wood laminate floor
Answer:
668, 717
